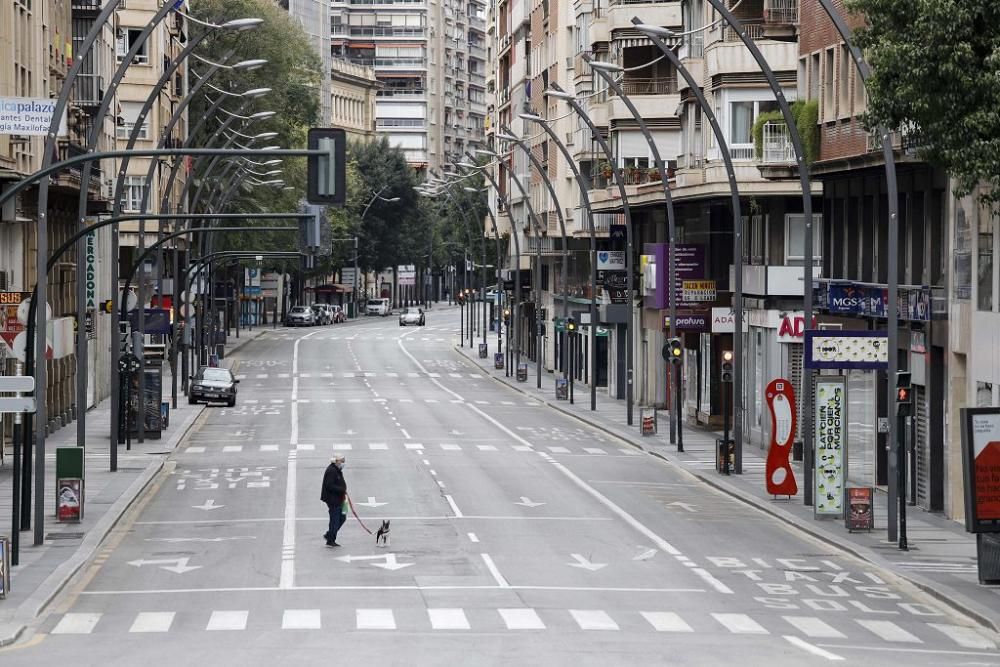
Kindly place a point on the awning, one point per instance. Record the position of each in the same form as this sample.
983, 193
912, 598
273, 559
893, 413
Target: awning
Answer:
334, 288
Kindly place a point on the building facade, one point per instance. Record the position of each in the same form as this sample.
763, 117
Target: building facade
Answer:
353, 95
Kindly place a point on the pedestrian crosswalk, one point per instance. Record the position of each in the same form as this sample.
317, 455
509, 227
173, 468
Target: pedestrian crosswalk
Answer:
366, 336
480, 619
251, 402
449, 447
348, 375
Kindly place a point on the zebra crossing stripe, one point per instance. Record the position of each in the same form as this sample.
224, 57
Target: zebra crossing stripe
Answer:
448, 619
813, 627
300, 619
740, 624
666, 621
963, 636
521, 619
228, 620
889, 631
76, 624
152, 621
593, 619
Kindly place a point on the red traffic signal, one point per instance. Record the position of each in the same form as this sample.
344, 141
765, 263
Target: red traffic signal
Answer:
903, 394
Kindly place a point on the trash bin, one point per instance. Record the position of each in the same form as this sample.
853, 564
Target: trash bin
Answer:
484, 351
220, 351
522, 372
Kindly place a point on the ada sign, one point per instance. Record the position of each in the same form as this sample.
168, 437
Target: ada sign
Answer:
611, 260
723, 320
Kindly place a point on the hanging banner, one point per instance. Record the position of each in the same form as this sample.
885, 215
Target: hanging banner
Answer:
29, 116
780, 479
981, 468
830, 422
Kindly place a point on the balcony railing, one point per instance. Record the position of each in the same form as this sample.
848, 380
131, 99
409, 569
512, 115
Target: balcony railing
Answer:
783, 12
906, 139
660, 86
776, 144
613, 3
88, 90
754, 30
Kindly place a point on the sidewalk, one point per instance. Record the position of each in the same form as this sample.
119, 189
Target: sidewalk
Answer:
942, 557
44, 570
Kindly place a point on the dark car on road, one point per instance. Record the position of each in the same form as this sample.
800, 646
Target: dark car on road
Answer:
212, 385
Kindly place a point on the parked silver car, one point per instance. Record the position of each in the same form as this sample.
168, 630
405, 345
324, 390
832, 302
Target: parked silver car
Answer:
411, 315
300, 316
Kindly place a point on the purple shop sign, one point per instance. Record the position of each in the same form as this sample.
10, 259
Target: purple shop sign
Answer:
690, 260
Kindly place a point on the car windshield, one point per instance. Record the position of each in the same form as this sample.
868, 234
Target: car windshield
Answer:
375, 302
299, 309
215, 375
412, 311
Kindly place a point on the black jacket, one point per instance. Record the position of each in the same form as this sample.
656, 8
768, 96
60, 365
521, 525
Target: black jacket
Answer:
334, 486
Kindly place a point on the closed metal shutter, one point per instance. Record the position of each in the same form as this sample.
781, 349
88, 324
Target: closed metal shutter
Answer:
922, 448
795, 375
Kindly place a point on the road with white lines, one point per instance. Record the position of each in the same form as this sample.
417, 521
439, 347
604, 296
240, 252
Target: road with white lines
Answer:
518, 536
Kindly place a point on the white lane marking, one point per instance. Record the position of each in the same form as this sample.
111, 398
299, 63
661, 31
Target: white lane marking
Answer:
658, 541
228, 620
666, 621
963, 636
152, 621
523, 448
486, 448
593, 619
413, 445
195, 450
341, 445
405, 433
451, 448
430, 400
594, 450
495, 571
473, 538
559, 450
455, 375
740, 624
889, 631
305, 448
76, 624
448, 619
454, 507
232, 448
815, 650
301, 619
269, 448
377, 445
521, 619
813, 627
434, 473
375, 619
287, 578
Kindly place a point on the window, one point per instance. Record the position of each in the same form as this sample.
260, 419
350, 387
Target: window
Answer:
795, 231
126, 38
741, 122
984, 298
129, 115
132, 195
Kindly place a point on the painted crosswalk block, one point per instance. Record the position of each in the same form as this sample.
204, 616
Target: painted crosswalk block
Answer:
526, 619
451, 447
347, 375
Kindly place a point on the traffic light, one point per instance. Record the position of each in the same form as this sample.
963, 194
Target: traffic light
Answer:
326, 182
727, 366
506, 315
570, 325
675, 350
904, 394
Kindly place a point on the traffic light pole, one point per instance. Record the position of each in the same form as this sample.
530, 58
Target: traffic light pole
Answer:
901, 482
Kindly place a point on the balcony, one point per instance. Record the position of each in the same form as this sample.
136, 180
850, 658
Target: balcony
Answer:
768, 280
386, 31
665, 13
776, 144
660, 86
781, 12
88, 90
83, 8
730, 56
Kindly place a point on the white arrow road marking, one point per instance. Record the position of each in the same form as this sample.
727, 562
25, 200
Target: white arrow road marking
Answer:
645, 555
585, 564
371, 503
208, 505
527, 502
390, 561
684, 506
177, 565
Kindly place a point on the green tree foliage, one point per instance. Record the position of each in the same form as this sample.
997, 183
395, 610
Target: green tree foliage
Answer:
936, 68
806, 118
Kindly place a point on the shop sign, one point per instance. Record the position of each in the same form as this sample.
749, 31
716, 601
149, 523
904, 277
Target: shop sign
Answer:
10, 324
830, 423
851, 299
698, 290
611, 260
91, 276
981, 468
792, 328
723, 320
29, 116
859, 350
694, 322
406, 275
689, 265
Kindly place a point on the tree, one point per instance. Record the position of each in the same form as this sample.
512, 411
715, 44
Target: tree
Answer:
935, 66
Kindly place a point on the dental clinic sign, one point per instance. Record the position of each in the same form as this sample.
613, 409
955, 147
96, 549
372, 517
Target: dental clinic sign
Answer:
28, 116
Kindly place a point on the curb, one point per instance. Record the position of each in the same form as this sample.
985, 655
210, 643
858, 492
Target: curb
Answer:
29, 610
958, 603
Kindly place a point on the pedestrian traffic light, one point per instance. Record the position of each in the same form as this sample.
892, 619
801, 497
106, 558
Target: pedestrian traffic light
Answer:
570, 325
675, 348
727, 366
904, 394
326, 183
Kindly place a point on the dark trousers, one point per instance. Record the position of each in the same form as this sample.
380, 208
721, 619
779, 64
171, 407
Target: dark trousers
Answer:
337, 520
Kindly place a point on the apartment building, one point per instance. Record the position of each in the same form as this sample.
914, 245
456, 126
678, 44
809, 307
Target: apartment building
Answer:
430, 61
314, 17
854, 249
37, 44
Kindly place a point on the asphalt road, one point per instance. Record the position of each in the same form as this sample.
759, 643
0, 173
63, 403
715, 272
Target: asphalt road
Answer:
518, 536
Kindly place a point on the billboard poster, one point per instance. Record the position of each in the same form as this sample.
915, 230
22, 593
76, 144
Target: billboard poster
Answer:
844, 349
690, 265
780, 479
406, 275
830, 424
981, 467
69, 500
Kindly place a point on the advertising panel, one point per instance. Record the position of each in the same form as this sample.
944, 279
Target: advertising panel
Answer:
407, 275
862, 350
611, 260
830, 421
780, 479
981, 467
29, 116
698, 290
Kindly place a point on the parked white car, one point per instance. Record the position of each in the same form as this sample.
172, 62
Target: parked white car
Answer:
378, 307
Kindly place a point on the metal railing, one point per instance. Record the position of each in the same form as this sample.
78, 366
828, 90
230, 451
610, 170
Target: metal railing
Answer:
776, 144
613, 3
658, 86
781, 11
88, 89
755, 31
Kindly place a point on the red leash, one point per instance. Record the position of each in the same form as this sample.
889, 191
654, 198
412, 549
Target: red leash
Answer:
355, 513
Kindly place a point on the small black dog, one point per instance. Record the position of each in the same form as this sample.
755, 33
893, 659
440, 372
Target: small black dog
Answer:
382, 536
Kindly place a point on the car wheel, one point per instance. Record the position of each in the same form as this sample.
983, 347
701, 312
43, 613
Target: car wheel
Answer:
231, 402
191, 400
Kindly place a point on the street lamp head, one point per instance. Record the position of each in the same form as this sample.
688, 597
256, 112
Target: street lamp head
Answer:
532, 117
271, 148
265, 135
241, 25
558, 94
250, 65
468, 165
391, 199
486, 151
654, 30
261, 115
605, 67
255, 92
476, 190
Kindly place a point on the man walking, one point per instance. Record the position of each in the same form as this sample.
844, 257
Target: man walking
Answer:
333, 494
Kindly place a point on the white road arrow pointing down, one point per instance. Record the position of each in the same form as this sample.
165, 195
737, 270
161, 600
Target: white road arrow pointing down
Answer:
526, 502
585, 564
371, 503
208, 505
177, 565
